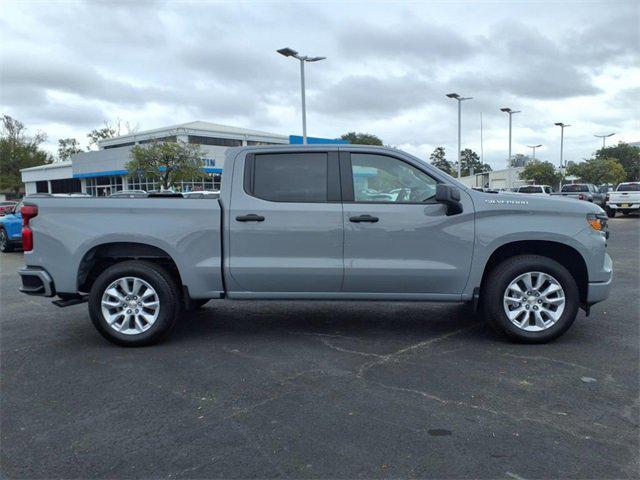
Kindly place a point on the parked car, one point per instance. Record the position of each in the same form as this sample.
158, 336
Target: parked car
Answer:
584, 191
298, 222
6, 206
202, 194
625, 199
11, 229
536, 189
128, 194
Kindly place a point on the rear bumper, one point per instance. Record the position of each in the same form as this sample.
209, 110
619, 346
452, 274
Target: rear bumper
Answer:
599, 291
36, 281
619, 205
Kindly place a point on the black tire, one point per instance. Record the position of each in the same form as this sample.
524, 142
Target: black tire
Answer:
500, 278
5, 244
168, 297
611, 213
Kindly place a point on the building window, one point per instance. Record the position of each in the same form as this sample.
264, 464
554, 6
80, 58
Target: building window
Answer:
141, 182
128, 144
222, 142
171, 138
42, 186
67, 185
103, 186
259, 143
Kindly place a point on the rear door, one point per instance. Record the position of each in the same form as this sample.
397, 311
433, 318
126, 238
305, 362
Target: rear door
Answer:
398, 240
285, 224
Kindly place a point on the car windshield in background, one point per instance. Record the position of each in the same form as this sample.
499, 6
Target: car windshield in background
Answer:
530, 190
575, 188
629, 187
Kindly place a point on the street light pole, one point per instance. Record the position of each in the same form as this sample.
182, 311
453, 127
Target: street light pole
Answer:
510, 112
533, 147
460, 99
304, 103
562, 127
288, 52
603, 137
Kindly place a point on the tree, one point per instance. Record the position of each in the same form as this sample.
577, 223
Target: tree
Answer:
627, 155
361, 138
541, 173
470, 161
17, 151
167, 162
598, 171
110, 130
439, 160
68, 147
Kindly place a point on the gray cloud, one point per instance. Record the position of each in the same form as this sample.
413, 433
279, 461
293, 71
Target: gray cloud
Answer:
388, 66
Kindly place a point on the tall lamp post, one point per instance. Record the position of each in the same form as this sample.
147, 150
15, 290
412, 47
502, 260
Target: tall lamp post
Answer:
460, 99
510, 112
562, 127
533, 147
604, 136
288, 52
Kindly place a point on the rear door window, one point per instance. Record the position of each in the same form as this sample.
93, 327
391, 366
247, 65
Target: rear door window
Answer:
288, 177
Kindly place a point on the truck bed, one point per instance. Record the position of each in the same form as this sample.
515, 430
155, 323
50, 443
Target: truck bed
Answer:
68, 230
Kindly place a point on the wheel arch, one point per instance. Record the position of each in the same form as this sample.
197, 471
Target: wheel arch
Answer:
564, 254
99, 257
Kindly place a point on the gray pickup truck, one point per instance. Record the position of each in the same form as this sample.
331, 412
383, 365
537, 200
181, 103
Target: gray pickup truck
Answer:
323, 223
584, 191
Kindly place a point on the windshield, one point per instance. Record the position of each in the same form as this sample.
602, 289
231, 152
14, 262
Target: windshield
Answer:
629, 187
530, 190
578, 187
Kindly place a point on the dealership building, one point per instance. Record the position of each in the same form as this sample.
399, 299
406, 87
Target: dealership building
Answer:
103, 172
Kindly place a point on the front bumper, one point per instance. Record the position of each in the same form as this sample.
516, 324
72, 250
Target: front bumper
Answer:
36, 281
599, 291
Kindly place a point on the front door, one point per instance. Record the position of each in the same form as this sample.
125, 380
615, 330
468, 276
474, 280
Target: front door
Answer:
398, 240
285, 224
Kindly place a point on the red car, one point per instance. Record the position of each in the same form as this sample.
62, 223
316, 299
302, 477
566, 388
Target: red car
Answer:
6, 207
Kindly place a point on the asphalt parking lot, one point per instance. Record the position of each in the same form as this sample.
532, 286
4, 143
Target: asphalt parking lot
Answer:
332, 390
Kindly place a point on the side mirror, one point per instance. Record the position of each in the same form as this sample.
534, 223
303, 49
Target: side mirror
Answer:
450, 196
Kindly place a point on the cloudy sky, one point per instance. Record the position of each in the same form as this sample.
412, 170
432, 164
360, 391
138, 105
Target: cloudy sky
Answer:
68, 66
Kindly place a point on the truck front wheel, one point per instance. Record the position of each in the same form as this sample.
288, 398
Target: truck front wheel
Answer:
134, 303
531, 299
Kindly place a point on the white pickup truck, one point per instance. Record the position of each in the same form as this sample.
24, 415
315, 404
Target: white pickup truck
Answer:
625, 199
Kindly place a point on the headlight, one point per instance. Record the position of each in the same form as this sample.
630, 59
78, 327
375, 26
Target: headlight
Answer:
598, 221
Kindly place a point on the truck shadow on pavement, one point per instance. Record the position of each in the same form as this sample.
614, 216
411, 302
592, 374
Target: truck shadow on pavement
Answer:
405, 321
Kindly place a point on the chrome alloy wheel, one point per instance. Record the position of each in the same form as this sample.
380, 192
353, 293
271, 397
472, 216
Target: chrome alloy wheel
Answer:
130, 305
534, 301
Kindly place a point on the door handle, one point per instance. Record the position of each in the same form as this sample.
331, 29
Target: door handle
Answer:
252, 217
363, 218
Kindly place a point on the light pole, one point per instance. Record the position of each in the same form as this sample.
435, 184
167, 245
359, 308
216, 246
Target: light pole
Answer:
288, 52
533, 147
460, 99
562, 127
604, 136
510, 112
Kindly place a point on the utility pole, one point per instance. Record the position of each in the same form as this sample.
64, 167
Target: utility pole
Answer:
562, 127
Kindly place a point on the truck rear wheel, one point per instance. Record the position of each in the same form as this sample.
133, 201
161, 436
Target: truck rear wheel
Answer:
5, 244
531, 299
134, 303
